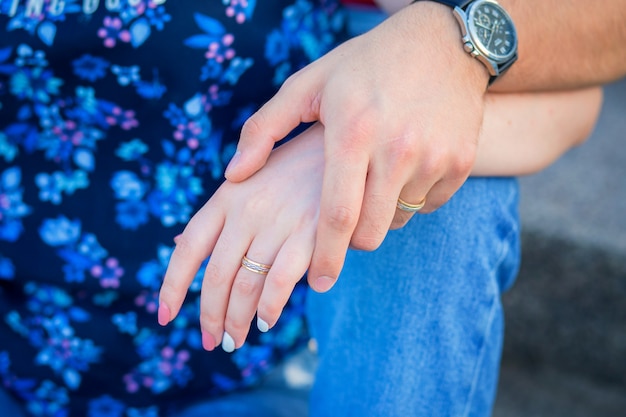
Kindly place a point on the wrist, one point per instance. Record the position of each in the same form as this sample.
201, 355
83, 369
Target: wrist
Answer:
439, 28
488, 33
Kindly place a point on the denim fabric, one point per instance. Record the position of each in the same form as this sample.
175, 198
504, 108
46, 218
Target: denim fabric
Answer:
415, 328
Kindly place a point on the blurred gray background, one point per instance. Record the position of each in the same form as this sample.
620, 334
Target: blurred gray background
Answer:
565, 344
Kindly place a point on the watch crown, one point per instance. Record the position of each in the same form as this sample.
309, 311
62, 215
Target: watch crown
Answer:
469, 48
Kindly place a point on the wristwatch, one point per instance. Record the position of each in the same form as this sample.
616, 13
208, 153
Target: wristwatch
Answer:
488, 33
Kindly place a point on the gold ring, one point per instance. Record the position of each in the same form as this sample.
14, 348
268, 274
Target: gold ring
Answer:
411, 208
256, 267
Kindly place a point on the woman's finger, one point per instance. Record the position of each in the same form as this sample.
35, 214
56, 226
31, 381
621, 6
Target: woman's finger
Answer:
289, 267
193, 246
255, 266
218, 280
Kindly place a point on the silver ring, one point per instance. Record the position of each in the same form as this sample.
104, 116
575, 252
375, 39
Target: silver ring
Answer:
255, 267
408, 207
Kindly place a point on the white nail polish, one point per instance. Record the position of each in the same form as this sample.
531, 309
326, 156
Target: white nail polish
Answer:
228, 344
262, 324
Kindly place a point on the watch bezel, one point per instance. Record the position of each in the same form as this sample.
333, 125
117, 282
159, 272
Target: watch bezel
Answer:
472, 30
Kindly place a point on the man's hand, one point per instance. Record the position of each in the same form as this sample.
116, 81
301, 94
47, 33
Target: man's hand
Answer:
402, 108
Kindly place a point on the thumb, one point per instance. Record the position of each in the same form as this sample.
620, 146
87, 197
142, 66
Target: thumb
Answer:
292, 105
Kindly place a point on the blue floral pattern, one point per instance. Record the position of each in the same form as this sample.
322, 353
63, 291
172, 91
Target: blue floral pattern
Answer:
107, 148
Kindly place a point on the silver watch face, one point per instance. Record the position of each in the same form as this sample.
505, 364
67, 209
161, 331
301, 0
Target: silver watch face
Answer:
492, 30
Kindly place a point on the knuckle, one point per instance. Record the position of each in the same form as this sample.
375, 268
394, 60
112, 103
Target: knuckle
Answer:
213, 276
433, 165
245, 286
184, 247
462, 164
292, 80
361, 123
367, 241
211, 323
281, 280
371, 229
236, 327
252, 125
254, 206
270, 311
341, 218
404, 150
171, 287
358, 129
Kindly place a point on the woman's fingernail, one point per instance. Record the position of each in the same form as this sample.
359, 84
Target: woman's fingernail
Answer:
163, 314
262, 324
233, 162
323, 284
228, 344
208, 341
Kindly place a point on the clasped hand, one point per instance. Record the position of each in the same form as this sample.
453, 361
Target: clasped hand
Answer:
402, 106
397, 117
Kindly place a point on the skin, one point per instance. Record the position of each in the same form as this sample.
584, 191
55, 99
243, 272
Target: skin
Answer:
562, 45
272, 218
405, 92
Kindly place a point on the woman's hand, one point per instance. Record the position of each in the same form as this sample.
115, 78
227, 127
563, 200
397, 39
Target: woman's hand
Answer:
271, 219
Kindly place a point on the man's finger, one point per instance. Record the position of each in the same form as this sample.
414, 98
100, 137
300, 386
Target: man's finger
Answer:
345, 173
293, 104
379, 203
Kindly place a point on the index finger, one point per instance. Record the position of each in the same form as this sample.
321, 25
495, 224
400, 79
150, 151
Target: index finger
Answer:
294, 103
193, 246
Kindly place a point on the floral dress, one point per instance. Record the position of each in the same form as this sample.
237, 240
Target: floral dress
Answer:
117, 118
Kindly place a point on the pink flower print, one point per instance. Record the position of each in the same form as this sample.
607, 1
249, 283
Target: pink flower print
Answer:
148, 300
188, 132
141, 8
5, 203
172, 361
69, 132
124, 118
112, 31
109, 274
215, 97
237, 9
131, 385
160, 371
221, 51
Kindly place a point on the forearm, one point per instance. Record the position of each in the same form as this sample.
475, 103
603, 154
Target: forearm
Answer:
524, 133
562, 44
566, 44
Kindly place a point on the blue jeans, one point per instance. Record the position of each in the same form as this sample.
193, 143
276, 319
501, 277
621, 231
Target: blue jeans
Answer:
415, 328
